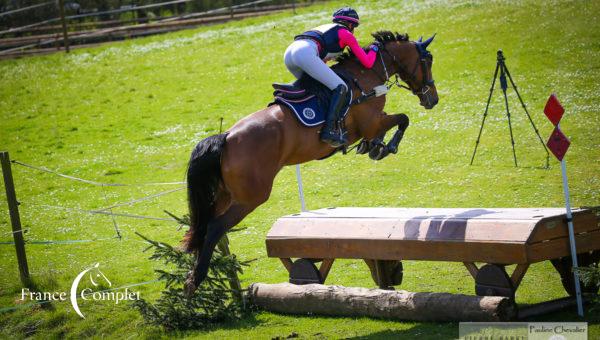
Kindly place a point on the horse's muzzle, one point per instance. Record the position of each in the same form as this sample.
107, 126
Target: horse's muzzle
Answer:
429, 102
429, 98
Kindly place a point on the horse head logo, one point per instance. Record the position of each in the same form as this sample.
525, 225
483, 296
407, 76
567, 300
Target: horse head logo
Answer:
95, 274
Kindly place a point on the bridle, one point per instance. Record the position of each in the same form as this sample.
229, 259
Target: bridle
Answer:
424, 58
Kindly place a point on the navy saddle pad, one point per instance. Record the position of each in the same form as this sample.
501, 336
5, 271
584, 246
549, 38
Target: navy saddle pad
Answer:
307, 98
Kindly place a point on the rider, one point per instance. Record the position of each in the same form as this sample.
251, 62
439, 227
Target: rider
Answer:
312, 49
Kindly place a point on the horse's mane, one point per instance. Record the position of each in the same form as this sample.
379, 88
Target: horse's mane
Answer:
381, 36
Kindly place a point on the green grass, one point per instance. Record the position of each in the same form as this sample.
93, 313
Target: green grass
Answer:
130, 112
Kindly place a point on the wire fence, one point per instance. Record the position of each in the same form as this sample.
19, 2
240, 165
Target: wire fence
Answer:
105, 211
43, 169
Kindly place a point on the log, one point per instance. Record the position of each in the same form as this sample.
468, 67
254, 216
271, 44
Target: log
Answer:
387, 304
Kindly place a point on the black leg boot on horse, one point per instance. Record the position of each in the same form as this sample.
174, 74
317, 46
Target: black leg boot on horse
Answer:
333, 132
392, 145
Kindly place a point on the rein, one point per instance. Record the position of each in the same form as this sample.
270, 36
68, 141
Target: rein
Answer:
427, 83
388, 83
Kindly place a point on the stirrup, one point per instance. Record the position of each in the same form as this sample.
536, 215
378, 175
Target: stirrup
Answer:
333, 138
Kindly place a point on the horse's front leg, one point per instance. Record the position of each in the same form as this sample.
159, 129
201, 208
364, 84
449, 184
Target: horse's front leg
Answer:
392, 145
376, 148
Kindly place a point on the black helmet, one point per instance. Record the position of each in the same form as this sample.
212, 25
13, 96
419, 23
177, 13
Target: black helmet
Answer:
346, 15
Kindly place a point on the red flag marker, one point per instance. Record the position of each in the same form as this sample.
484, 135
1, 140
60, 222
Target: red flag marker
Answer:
558, 143
554, 110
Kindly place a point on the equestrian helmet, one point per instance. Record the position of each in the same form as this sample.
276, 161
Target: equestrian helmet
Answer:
346, 15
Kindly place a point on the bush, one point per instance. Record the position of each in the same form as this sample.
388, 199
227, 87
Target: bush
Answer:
591, 276
212, 302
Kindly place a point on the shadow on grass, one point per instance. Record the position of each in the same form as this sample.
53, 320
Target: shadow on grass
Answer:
591, 315
247, 322
419, 331
26, 296
34, 284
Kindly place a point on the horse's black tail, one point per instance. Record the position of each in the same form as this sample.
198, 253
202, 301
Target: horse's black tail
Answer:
203, 181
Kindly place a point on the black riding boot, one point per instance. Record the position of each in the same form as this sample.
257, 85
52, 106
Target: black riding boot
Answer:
335, 137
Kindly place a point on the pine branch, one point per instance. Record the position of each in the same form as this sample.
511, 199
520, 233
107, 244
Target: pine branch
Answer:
590, 276
213, 301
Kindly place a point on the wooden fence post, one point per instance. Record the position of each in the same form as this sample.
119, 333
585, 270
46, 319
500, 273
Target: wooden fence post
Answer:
61, 10
15, 220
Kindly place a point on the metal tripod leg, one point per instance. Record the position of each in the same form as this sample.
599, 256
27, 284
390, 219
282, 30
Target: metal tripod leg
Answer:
528, 116
504, 86
486, 112
500, 65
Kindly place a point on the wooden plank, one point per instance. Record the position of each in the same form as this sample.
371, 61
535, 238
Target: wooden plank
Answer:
287, 263
497, 235
325, 268
504, 253
518, 274
433, 213
556, 227
403, 229
472, 268
560, 247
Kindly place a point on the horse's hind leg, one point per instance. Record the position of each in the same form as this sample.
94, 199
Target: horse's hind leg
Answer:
215, 231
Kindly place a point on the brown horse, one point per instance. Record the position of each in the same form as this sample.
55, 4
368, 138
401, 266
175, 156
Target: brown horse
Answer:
231, 174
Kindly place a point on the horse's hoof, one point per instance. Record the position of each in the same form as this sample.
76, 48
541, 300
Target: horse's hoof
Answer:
378, 152
189, 287
392, 149
363, 147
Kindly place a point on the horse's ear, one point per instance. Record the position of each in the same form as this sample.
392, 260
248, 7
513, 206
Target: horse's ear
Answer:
428, 41
420, 39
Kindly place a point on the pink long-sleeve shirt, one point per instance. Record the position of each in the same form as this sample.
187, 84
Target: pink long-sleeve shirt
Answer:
336, 34
347, 39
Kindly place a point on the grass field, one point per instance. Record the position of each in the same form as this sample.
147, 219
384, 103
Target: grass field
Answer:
130, 112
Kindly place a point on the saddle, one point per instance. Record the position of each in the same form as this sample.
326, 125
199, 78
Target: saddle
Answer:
308, 99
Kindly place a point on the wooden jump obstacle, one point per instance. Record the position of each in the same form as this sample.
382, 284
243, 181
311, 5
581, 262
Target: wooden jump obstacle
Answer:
384, 236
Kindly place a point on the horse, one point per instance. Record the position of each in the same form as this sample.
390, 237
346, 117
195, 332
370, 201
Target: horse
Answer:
232, 173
